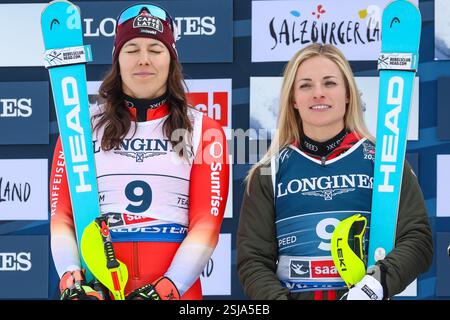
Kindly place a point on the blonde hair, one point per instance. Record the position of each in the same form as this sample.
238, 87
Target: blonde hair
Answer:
289, 122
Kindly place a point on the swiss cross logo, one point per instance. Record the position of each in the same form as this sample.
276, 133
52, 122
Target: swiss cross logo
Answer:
213, 104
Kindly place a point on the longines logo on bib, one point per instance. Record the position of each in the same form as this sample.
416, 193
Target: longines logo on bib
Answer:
140, 149
326, 187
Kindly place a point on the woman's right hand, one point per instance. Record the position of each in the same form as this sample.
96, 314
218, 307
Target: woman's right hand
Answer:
73, 286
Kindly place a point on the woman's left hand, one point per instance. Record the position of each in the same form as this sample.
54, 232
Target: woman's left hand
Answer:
161, 289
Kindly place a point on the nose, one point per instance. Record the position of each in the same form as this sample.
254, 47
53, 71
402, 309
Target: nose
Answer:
144, 58
318, 92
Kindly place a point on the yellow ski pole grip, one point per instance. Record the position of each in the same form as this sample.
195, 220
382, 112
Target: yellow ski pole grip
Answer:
98, 252
349, 262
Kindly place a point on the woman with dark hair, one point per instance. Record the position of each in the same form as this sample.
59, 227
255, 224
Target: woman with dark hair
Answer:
161, 167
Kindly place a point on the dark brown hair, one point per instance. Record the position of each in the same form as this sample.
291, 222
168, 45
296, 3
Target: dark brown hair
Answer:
117, 119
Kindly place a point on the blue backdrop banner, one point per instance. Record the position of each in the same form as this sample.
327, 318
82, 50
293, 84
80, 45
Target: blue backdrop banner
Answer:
24, 267
205, 27
24, 113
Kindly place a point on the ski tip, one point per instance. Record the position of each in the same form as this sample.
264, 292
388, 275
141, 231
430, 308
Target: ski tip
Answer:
52, 3
401, 20
49, 7
61, 25
402, 9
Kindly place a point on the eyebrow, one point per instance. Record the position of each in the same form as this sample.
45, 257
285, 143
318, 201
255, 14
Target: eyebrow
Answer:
136, 45
309, 79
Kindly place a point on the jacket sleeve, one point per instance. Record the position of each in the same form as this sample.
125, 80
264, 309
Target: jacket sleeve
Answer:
208, 192
256, 241
62, 231
413, 251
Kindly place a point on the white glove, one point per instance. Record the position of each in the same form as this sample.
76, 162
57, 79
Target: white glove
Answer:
368, 288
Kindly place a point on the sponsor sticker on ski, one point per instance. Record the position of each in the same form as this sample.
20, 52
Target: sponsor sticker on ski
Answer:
66, 56
397, 61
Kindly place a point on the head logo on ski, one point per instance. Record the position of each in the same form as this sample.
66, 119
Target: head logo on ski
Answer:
395, 20
54, 21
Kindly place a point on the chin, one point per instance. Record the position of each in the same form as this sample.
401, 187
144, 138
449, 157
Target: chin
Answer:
321, 123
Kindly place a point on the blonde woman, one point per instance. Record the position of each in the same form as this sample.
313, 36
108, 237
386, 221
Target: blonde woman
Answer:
317, 172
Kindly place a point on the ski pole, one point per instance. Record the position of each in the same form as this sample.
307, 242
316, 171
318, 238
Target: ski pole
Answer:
349, 262
98, 252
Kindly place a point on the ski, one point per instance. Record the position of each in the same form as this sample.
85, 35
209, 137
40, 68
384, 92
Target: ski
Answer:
65, 57
398, 61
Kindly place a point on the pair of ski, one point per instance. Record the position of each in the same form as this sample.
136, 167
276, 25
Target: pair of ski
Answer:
65, 57
398, 61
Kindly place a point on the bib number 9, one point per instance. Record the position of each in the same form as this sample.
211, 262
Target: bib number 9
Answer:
140, 193
324, 230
